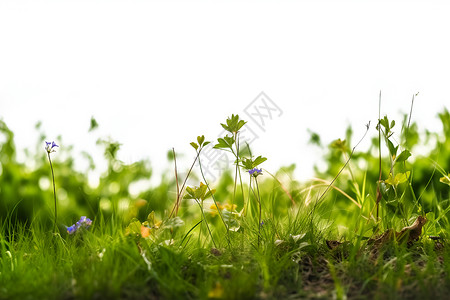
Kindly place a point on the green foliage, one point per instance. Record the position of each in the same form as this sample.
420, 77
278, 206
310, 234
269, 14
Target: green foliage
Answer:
233, 124
276, 248
249, 163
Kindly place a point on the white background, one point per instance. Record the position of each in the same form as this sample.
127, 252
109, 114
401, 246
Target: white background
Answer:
155, 74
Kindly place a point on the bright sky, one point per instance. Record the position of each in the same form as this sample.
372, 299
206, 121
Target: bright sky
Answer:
155, 74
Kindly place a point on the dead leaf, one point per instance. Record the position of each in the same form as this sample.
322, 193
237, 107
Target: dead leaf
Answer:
333, 244
412, 233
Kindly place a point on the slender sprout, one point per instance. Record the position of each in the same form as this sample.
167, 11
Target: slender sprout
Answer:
176, 179
255, 173
212, 195
236, 142
204, 219
49, 148
345, 165
178, 200
259, 202
379, 157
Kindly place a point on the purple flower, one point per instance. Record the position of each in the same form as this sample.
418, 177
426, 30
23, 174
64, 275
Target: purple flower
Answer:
84, 222
255, 172
49, 147
71, 229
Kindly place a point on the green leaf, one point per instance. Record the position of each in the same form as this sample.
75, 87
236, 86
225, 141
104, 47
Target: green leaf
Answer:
385, 123
134, 228
151, 218
194, 145
398, 179
190, 193
247, 163
94, 124
200, 140
403, 156
226, 142
392, 124
200, 191
445, 179
209, 193
259, 160
392, 149
233, 124
240, 124
225, 127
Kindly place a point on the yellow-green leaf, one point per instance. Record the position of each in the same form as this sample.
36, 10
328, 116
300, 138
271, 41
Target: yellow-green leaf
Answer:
445, 179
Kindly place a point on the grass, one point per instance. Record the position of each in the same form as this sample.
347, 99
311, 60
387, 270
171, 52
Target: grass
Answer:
345, 235
292, 261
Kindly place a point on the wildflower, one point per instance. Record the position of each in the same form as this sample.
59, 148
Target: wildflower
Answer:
49, 147
84, 222
255, 172
71, 229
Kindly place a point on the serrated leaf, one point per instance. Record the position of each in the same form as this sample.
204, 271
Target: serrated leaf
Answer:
403, 156
194, 145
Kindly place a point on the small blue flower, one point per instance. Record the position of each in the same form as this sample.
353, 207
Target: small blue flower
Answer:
49, 147
84, 222
71, 229
255, 172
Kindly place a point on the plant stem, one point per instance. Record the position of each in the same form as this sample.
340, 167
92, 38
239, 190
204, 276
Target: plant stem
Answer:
54, 191
177, 203
206, 222
259, 202
214, 198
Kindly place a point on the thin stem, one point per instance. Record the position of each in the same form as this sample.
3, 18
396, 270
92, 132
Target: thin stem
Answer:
54, 191
206, 222
213, 197
259, 202
379, 156
345, 165
177, 203
235, 173
176, 178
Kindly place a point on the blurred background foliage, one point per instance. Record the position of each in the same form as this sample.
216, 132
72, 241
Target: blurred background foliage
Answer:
26, 192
